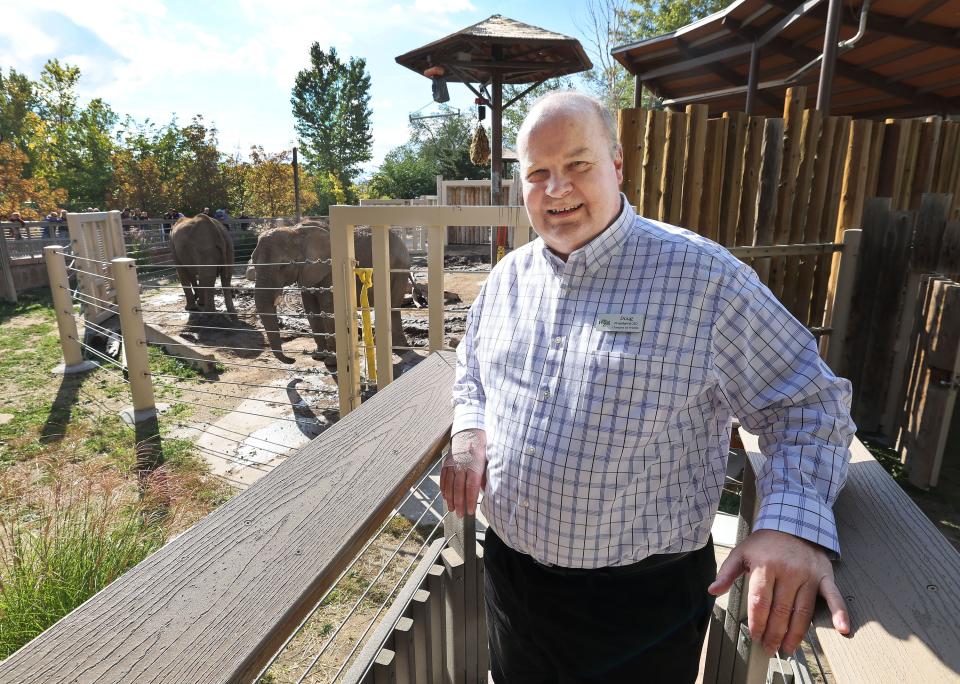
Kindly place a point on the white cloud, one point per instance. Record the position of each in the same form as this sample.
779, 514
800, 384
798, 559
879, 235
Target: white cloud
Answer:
443, 6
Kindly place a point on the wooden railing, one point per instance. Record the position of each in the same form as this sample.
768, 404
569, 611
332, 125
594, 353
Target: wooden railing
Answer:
215, 604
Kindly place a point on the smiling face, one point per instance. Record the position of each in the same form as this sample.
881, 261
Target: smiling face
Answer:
571, 177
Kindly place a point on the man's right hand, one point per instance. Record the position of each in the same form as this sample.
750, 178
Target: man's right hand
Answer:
464, 469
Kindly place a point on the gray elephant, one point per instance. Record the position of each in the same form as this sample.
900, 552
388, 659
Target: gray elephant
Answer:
309, 242
201, 249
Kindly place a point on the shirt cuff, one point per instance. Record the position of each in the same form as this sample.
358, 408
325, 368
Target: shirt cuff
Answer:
801, 516
467, 417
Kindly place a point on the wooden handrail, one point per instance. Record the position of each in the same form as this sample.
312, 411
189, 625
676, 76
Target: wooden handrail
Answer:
216, 603
900, 577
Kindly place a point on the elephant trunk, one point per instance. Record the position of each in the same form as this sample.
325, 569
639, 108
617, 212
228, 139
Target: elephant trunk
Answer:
266, 302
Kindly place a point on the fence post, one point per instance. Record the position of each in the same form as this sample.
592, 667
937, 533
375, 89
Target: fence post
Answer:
144, 412
435, 250
342, 262
832, 345
63, 307
383, 303
8, 288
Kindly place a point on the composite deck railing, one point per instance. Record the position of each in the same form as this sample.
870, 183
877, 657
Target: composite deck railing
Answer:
216, 603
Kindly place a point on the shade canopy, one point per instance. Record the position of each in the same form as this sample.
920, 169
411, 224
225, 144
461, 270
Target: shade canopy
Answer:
519, 52
907, 61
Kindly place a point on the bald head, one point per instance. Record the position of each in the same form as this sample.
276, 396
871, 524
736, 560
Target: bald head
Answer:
563, 103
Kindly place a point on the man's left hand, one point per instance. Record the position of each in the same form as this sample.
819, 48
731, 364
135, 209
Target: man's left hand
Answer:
786, 574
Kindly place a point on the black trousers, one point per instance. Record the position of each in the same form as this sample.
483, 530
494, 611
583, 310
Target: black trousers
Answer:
641, 624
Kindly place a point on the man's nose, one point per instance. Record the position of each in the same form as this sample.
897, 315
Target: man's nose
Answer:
559, 185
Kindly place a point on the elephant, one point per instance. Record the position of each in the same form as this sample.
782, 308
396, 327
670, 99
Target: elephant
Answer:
203, 241
310, 241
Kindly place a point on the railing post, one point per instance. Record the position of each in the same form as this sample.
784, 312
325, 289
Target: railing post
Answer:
833, 345
435, 251
63, 307
342, 262
143, 416
382, 277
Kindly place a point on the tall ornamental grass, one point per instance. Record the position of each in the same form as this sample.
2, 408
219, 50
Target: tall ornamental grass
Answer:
64, 551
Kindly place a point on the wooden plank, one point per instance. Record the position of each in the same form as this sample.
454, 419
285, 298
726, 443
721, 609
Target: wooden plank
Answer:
793, 121
828, 220
435, 286
833, 351
926, 241
928, 142
254, 567
384, 667
798, 272
380, 242
403, 647
435, 584
454, 638
649, 204
713, 159
420, 614
894, 151
949, 154
693, 166
912, 133
878, 356
904, 626
672, 183
767, 198
949, 261
630, 132
815, 223
735, 132
746, 217
876, 152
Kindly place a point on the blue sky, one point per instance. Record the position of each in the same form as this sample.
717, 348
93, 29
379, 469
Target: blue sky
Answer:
235, 62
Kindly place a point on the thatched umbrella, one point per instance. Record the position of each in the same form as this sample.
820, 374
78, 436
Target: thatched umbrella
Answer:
491, 53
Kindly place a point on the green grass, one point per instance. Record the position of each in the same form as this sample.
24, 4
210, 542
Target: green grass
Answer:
888, 458
58, 557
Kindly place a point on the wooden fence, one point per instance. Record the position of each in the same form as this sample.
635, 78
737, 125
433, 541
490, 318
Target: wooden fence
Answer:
473, 193
802, 178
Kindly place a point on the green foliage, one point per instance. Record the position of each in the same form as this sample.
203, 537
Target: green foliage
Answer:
438, 146
62, 554
648, 18
331, 110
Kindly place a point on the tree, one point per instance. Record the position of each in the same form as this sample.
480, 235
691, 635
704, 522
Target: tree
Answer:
202, 181
16, 190
270, 180
331, 110
514, 115
404, 174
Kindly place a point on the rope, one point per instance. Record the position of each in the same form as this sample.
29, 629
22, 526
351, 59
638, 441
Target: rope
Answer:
80, 258
383, 605
308, 262
289, 288
94, 275
262, 366
243, 384
343, 574
248, 413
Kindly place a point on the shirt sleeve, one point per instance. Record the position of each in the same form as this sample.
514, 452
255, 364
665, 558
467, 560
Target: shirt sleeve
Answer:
782, 391
469, 401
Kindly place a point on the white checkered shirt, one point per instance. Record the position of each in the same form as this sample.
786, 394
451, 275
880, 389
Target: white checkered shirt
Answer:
606, 447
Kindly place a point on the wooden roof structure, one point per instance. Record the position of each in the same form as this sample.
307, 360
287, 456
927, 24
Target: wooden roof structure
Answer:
905, 61
521, 53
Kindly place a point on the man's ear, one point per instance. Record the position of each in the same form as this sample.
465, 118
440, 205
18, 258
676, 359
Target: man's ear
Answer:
618, 163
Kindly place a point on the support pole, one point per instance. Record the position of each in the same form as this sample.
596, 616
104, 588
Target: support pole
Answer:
496, 156
435, 285
345, 310
135, 349
752, 79
637, 92
63, 307
828, 66
296, 185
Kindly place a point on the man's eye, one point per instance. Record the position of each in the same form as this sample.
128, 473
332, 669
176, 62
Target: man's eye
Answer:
537, 176
580, 165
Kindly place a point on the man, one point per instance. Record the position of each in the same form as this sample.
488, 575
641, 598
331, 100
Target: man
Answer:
595, 385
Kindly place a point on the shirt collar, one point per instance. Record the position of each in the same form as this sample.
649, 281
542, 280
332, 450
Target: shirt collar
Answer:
600, 250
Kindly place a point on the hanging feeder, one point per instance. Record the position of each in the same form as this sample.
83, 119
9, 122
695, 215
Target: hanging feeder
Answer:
480, 146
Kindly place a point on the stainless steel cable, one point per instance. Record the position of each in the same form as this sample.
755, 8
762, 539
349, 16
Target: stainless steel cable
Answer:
249, 413
300, 390
89, 273
262, 366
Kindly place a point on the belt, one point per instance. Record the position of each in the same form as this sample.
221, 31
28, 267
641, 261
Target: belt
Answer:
648, 564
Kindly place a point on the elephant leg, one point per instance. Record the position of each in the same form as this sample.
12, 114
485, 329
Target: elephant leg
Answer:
227, 291
266, 302
322, 327
186, 282
208, 280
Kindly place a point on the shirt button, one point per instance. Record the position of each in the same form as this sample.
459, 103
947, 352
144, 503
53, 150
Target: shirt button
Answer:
557, 341
546, 394
531, 450
525, 503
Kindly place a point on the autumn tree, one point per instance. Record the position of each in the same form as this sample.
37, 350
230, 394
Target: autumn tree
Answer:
270, 180
32, 197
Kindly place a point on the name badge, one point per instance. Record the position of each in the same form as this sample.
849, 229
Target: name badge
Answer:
613, 322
